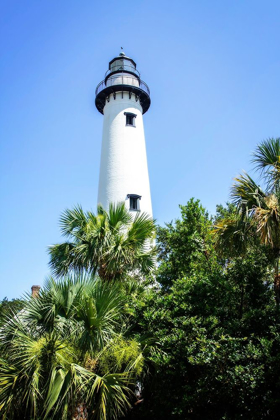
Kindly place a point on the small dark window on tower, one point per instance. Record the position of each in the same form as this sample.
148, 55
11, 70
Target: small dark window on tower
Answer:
130, 118
134, 202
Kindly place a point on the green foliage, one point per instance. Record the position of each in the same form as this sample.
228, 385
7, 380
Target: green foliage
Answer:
186, 245
200, 339
65, 349
121, 354
216, 325
111, 243
9, 308
267, 160
257, 213
233, 232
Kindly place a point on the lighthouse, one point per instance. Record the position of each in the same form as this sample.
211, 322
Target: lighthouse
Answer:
123, 98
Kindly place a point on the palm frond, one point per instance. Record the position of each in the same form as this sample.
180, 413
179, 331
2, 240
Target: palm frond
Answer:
44, 370
267, 160
109, 242
61, 257
246, 194
111, 393
142, 228
72, 222
118, 216
268, 221
233, 234
100, 311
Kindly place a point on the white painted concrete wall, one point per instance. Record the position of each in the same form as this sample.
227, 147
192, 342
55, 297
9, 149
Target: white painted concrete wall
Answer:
123, 168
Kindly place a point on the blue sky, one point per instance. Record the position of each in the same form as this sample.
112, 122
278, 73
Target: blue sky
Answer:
213, 70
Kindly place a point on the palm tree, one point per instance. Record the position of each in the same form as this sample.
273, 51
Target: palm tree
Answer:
55, 354
112, 243
257, 212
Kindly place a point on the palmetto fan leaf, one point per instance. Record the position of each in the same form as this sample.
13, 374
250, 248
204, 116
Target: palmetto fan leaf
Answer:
261, 208
112, 392
258, 208
141, 229
267, 160
100, 312
63, 257
15, 387
246, 194
111, 243
28, 360
44, 370
57, 300
72, 222
118, 216
233, 233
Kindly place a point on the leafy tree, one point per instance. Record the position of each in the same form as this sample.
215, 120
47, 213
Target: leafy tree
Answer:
257, 210
217, 329
186, 245
9, 308
66, 350
111, 243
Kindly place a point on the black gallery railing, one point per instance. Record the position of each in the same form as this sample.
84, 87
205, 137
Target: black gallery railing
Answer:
124, 79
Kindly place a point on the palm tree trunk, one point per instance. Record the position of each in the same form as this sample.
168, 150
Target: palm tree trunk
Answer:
80, 413
104, 275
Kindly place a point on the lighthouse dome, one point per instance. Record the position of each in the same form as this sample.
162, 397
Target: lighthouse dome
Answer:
122, 63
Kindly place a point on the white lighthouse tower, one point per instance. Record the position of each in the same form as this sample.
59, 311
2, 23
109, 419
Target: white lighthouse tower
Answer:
122, 97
